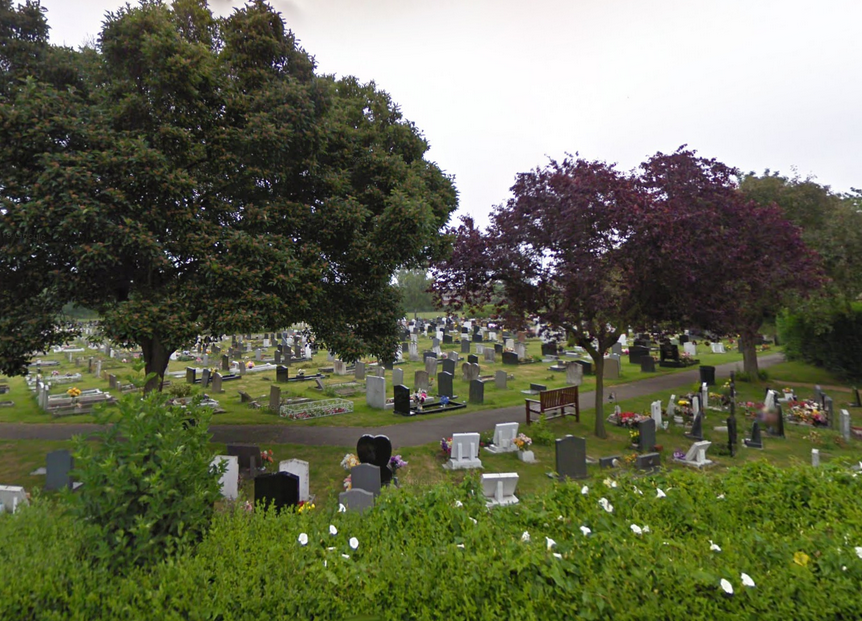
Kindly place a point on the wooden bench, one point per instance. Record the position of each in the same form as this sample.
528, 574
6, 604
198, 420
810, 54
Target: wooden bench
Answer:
554, 400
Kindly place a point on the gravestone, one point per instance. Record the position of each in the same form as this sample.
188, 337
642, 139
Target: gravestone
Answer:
646, 441
431, 366
402, 400
499, 488
12, 497
339, 367
282, 374
498, 348
504, 436
477, 391
500, 380
453, 356
444, 385
586, 365
521, 351
477, 337
608, 462
647, 365
690, 348
571, 457
420, 380
470, 372
465, 452
574, 374
845, 425
366, 477
696, 432
274, 399
58, 471
356, 500
465, 347
668, 352
414, 352
229, 480
217, 379
638, 353
718, 348
655, 413
375, 392
397, 376
612, 368
225, 363
359, 370
490, 355
648, 461
707, 375
447, 339
447, 366
617, 349
277, 357
205, 378
435, 344
299, 468
696, 455
247, 454
671, 407
278, 489
510, 358
473, 359
376, 451
829, 408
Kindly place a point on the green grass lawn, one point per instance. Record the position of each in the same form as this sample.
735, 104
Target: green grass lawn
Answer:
258, 386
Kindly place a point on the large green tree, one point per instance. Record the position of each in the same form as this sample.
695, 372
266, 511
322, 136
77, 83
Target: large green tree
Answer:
414, 286
193, 175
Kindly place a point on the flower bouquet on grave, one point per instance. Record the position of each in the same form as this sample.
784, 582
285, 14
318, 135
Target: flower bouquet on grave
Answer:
419, 398
74, 393
523, 442
678, 454
349, 461
446, 446
265, 458
635, 437
305, 507
249, 365
348, 483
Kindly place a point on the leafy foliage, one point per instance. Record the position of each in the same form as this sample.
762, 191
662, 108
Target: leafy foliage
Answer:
803, 561
148, 486
830, 340
414, 287
194, 175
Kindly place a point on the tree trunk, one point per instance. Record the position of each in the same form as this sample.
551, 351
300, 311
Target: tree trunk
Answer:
156, 358
749, 353
599, 367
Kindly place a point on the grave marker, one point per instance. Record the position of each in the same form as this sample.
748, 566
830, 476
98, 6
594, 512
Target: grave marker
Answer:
299, 468
366, 477
357, 500
229, 480
571, 457
375, 392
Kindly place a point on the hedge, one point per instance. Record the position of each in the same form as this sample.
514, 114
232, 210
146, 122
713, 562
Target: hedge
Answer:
440, 554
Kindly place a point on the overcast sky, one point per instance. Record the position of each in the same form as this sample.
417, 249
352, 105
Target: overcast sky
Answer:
498, 86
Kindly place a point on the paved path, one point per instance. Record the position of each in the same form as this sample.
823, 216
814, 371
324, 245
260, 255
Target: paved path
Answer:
404, 434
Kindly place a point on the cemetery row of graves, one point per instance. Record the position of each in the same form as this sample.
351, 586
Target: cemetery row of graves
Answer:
284, 377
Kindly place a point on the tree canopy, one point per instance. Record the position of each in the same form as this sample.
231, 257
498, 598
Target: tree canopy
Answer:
192, 175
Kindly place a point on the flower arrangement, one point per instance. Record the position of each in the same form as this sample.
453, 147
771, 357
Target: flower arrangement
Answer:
304, 507
678, 454
522, 442
348, 483
635, 436
265, 458
396, 462
808, 413
74, 392
249, 365
349, 461
446, 446
419, 397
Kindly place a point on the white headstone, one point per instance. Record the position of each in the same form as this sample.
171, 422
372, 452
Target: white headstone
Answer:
671, 406
11, 497
655, 412
499, 488
815, 457
704, 396
465, 452
504, 434
718, 348
375, 392
300, 469
229, 481
696, 455
690, 348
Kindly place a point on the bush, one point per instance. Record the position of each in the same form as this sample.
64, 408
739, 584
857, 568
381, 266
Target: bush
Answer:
148, 486
831, 340
251, 566
180, 390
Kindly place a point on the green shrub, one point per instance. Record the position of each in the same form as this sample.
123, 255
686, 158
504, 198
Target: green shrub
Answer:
148, 486
438, 553
541, 433
180, 390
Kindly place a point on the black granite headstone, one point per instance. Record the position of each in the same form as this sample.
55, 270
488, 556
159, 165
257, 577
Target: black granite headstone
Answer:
191, 375
648, 461
498, 348
756, 440
571, 457
447, 339
707, 374
696, 432
245, 453
447, 366
428, 354
444, 384
637, 353
477, 337
282, 374
648, 364
402, 400
376, 450
510, 357
473, 359
279, 489
588, 366
58, 471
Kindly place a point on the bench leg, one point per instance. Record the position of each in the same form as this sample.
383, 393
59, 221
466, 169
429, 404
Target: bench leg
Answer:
527, 406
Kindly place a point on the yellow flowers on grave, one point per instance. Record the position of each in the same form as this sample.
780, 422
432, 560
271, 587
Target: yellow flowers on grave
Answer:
683, 402
74, 392
801, 559
304, 507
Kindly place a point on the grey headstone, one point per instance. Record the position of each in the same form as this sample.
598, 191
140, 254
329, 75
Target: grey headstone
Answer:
359, 370
574, 374
431, 366
571, 457
420, 380
59, 466
845, 425
500, 379
648, 461
357, 500
205, 378
225, 363
617, 349
646, 428
274, 398
447, 366
453, 356
608, 462
366, 477
282, 374
465, 347
490, 355
612, 368
696, 432
397, 376
217, 382
477, 391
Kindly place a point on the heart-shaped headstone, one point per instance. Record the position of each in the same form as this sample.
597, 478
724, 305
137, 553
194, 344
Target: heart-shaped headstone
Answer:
376, 450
